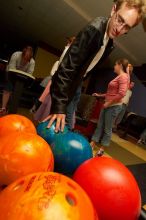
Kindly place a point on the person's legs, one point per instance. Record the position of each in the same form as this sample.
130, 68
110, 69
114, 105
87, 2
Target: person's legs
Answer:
44, 110
120, 116
6, 96
99, 130
37, 102
5, 100
107, 122
110, 115
36, 105
71, 108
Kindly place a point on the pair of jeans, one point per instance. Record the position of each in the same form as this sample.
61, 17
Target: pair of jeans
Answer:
106, 119
71, 108
120, 115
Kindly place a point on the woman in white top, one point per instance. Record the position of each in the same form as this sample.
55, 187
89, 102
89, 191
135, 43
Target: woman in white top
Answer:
19, 61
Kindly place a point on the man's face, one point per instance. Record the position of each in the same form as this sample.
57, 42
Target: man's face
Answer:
122, 20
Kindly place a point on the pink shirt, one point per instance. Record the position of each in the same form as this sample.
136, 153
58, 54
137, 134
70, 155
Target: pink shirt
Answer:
117, 88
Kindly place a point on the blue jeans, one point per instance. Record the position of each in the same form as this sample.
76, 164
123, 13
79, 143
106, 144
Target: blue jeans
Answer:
120, 115
72, 106
103, 131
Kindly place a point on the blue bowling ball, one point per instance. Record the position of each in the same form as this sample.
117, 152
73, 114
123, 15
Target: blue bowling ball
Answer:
48, 134
70, 150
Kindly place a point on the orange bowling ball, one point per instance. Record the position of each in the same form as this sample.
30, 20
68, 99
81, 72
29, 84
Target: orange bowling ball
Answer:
23, 153
14, 122
45, 196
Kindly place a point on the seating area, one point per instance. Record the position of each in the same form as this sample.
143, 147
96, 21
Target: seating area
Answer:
87, 114
132, 124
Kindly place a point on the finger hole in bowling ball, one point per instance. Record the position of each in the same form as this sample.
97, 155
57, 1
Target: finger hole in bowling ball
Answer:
71, 199
18, 185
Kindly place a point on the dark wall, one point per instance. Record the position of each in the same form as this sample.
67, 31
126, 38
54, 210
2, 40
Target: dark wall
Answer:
11, 42
100, 79
137, 102
140, 72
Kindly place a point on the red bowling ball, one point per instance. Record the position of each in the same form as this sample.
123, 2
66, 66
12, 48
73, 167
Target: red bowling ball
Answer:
111, 187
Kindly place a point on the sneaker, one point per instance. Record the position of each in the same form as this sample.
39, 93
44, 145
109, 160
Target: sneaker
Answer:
139, 141
99, 153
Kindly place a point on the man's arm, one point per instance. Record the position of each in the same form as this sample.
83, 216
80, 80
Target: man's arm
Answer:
69, 75
70, 72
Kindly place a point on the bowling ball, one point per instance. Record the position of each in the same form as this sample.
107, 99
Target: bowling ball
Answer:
48, 134
70, 150
111, 187
45, 196
15, 123
23, 153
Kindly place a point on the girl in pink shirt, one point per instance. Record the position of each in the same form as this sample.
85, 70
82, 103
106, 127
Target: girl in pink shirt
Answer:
117, 89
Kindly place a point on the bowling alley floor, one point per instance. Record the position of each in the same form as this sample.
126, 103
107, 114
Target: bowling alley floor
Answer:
127, 151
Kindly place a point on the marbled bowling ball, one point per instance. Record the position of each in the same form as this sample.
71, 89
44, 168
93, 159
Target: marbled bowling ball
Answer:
70, 150
22, 153
45, 196
48, 134
15, 123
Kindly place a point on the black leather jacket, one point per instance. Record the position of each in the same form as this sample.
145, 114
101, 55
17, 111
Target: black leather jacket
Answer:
78, 57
